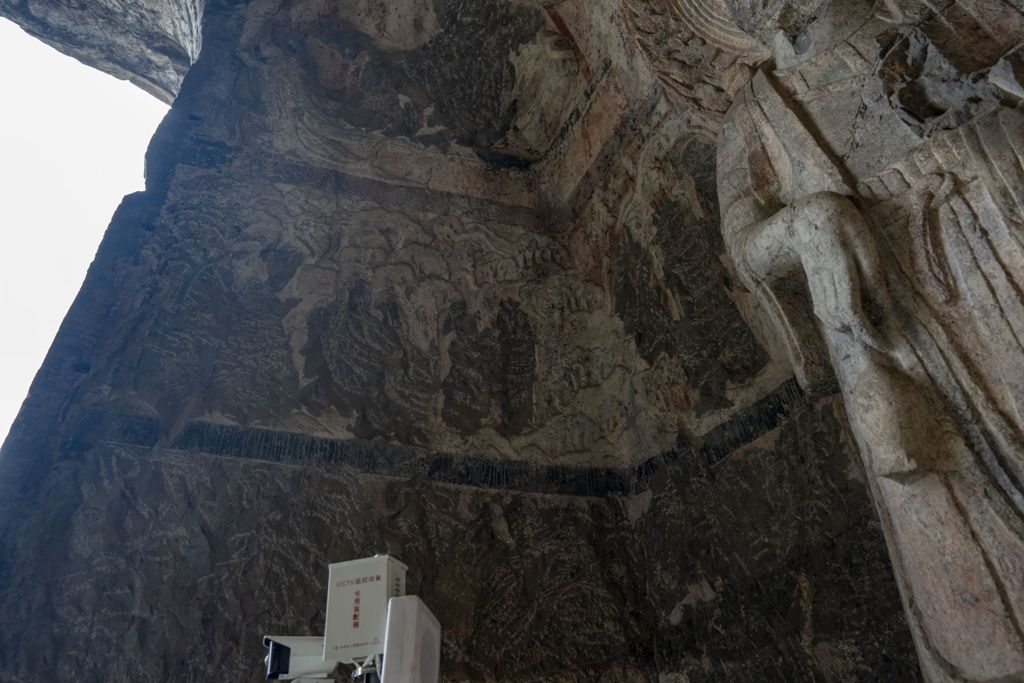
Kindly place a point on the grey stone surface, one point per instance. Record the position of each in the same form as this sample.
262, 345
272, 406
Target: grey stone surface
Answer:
151, 43
553, 300
169, 564
870, 197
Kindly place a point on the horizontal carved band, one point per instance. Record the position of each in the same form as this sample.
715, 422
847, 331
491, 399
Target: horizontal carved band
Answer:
409, 462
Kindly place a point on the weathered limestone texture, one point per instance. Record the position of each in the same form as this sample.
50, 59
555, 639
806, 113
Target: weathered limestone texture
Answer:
172, 563
152, 43
611, 318
900, 269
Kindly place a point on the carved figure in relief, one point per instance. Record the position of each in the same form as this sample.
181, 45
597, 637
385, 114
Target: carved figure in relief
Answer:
906, 286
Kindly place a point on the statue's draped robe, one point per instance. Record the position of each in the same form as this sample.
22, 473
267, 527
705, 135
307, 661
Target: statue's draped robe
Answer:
909, 286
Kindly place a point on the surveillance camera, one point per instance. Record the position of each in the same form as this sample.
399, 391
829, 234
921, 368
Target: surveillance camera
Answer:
292, 657
370, 624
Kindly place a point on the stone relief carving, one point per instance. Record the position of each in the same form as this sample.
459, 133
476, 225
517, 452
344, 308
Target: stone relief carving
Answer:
355, 239
698, 55
412, 291
901, 272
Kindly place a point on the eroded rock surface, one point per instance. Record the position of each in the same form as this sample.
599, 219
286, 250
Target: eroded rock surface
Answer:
472, 285
152, 43
174, 561
873, 208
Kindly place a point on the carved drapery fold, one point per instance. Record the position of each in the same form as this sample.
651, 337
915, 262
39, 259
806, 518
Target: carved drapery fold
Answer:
908, 288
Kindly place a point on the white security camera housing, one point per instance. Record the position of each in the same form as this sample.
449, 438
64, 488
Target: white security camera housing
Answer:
296, 657
369, 624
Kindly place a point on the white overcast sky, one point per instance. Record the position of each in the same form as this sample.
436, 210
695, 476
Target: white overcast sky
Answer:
72, 143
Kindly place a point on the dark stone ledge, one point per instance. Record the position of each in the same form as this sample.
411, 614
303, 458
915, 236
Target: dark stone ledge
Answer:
407, 462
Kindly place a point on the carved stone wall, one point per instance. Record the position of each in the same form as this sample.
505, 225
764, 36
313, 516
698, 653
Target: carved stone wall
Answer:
480, 285
169, 563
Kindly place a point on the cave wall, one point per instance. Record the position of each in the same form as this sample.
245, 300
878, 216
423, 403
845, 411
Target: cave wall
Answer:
170, 563
394, 288
386, 268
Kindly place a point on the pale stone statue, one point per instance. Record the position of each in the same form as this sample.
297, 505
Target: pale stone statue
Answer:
896, 265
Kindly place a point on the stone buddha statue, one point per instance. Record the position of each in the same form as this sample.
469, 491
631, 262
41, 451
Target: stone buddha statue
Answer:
871, 179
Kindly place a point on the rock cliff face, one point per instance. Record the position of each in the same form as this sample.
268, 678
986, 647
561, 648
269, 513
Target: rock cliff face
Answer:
151, 43
450, 280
